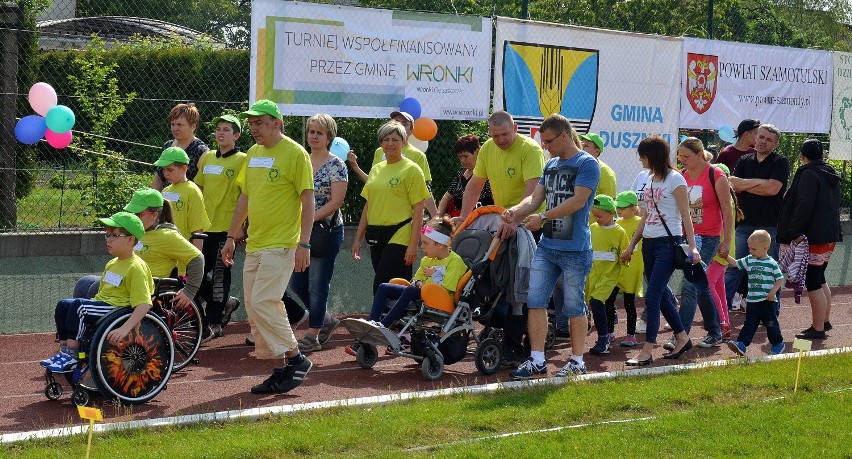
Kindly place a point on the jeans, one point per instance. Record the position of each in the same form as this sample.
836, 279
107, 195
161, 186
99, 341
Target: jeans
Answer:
547, 267
762, 311
312, 285
403, 295
734, 276
658, 256
692, 294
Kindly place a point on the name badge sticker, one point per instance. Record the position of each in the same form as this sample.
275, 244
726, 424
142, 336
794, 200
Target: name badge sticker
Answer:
261, 162
213, 170
113, 279
138, 246
171, 196
603, 256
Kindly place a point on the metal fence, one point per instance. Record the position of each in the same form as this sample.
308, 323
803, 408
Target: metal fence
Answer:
120, 66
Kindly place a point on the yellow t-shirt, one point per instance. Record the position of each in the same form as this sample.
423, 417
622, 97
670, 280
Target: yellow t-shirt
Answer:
631, 280
218, 178
188, 206
732, 247
163, 249
607, 184
126, 282
391, 191
508, 170
607, 244
447, 273
411, 152
274, 179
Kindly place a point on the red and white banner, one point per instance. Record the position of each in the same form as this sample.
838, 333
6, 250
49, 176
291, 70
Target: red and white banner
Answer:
724, 83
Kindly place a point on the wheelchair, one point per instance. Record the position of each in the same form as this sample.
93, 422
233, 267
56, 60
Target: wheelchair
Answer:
130, 373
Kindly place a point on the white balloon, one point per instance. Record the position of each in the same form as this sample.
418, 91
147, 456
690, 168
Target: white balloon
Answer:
421, 145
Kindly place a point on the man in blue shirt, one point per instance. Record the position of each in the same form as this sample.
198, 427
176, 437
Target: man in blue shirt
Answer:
565, 251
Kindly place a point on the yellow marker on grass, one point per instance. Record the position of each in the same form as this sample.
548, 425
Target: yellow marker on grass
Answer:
92, 414
801, 345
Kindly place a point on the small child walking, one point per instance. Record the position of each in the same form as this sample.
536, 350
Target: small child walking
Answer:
630, 280
608, 241
764, 281
186, 198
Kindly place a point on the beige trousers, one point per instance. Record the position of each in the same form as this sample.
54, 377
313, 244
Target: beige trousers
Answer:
266, 274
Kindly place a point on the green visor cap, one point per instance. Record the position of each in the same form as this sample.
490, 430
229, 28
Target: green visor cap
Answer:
172, 155
263, 107
129, 222
143, 199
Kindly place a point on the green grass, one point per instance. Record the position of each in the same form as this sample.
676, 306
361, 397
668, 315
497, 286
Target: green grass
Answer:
47, 207
720, 412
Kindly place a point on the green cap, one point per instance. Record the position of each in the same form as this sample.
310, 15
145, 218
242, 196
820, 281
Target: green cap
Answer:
626, 199
595, 139
604, 202
172, 155
229, 118
263, 107
144, 198
724, 168
125, 220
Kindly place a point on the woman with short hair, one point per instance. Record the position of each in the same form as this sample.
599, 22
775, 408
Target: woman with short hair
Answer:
183, 121
467, 150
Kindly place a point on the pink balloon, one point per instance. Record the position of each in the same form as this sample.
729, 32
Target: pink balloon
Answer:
57, 140
42, 98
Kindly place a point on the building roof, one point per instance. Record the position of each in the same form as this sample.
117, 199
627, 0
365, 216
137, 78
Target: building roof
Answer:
75, 33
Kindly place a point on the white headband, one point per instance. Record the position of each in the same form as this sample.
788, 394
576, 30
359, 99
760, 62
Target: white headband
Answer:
434, 235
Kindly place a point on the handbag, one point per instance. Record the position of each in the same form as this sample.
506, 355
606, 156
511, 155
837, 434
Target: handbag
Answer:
681, 260
381, 234
320, 237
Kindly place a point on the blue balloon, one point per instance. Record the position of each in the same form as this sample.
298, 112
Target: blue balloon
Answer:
340, 148
682, 138
30, 129
411, 106
726, 133
60, 119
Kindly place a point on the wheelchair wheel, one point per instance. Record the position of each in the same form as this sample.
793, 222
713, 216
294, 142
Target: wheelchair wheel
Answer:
432, 366
489, 356
550, 339
53, 391
367, 355
80, 397
186, 324
138, 368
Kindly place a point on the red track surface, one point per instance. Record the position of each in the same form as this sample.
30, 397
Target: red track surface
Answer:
227, 370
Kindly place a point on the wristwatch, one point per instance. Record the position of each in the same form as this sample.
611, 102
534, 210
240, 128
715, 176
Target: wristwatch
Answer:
542, 217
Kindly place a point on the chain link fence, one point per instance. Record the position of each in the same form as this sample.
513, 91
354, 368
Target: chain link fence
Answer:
122, 65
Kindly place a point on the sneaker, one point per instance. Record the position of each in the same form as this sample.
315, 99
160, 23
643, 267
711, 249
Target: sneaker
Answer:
777, 348
249, 340
737, 303
810, 333
563, 335
49, 361
738, 347
630, 341
309, 343
327, 329
710, 341
529, 370
230, 306
610, 337
210, 332
641, 326
827, 326
601, 347
670, 344
572, 368
352, 349
284, 379
64, 362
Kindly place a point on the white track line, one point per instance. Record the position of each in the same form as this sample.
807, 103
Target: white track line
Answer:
256, 413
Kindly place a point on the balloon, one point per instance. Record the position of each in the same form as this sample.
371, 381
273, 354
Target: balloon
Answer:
411, 106
425, 129
726, 133
340, 148
60, 119
421, 145
30, 129
58, 140
42, 98
682, 138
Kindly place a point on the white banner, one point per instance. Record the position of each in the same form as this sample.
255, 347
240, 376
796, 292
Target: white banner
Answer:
841, 116
621, 85
725, 83
358, 62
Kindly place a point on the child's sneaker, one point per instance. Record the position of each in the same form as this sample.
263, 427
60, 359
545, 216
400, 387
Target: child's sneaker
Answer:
327, 329
610, 337
529, 370
641, 326
64, 362
738, 347
630, 341
309, 343
49, 361
710, 341
737, 303
572, 368
601, 347
777, 348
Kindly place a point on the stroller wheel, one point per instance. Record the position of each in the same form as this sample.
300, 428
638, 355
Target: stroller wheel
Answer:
367, 356
432, 366
53, 391
489, 356
550, 339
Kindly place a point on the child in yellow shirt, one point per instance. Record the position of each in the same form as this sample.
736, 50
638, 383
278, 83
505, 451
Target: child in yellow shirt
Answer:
186, 198
630, 281
608, 241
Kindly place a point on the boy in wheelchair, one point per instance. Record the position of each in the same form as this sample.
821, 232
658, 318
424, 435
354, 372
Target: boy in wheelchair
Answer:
441, 269
126, 281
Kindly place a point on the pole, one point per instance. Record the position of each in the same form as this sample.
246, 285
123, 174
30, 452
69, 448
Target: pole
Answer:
709, 19
525, 9
12, 22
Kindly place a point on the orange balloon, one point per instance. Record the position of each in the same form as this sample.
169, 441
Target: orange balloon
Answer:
425, 128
